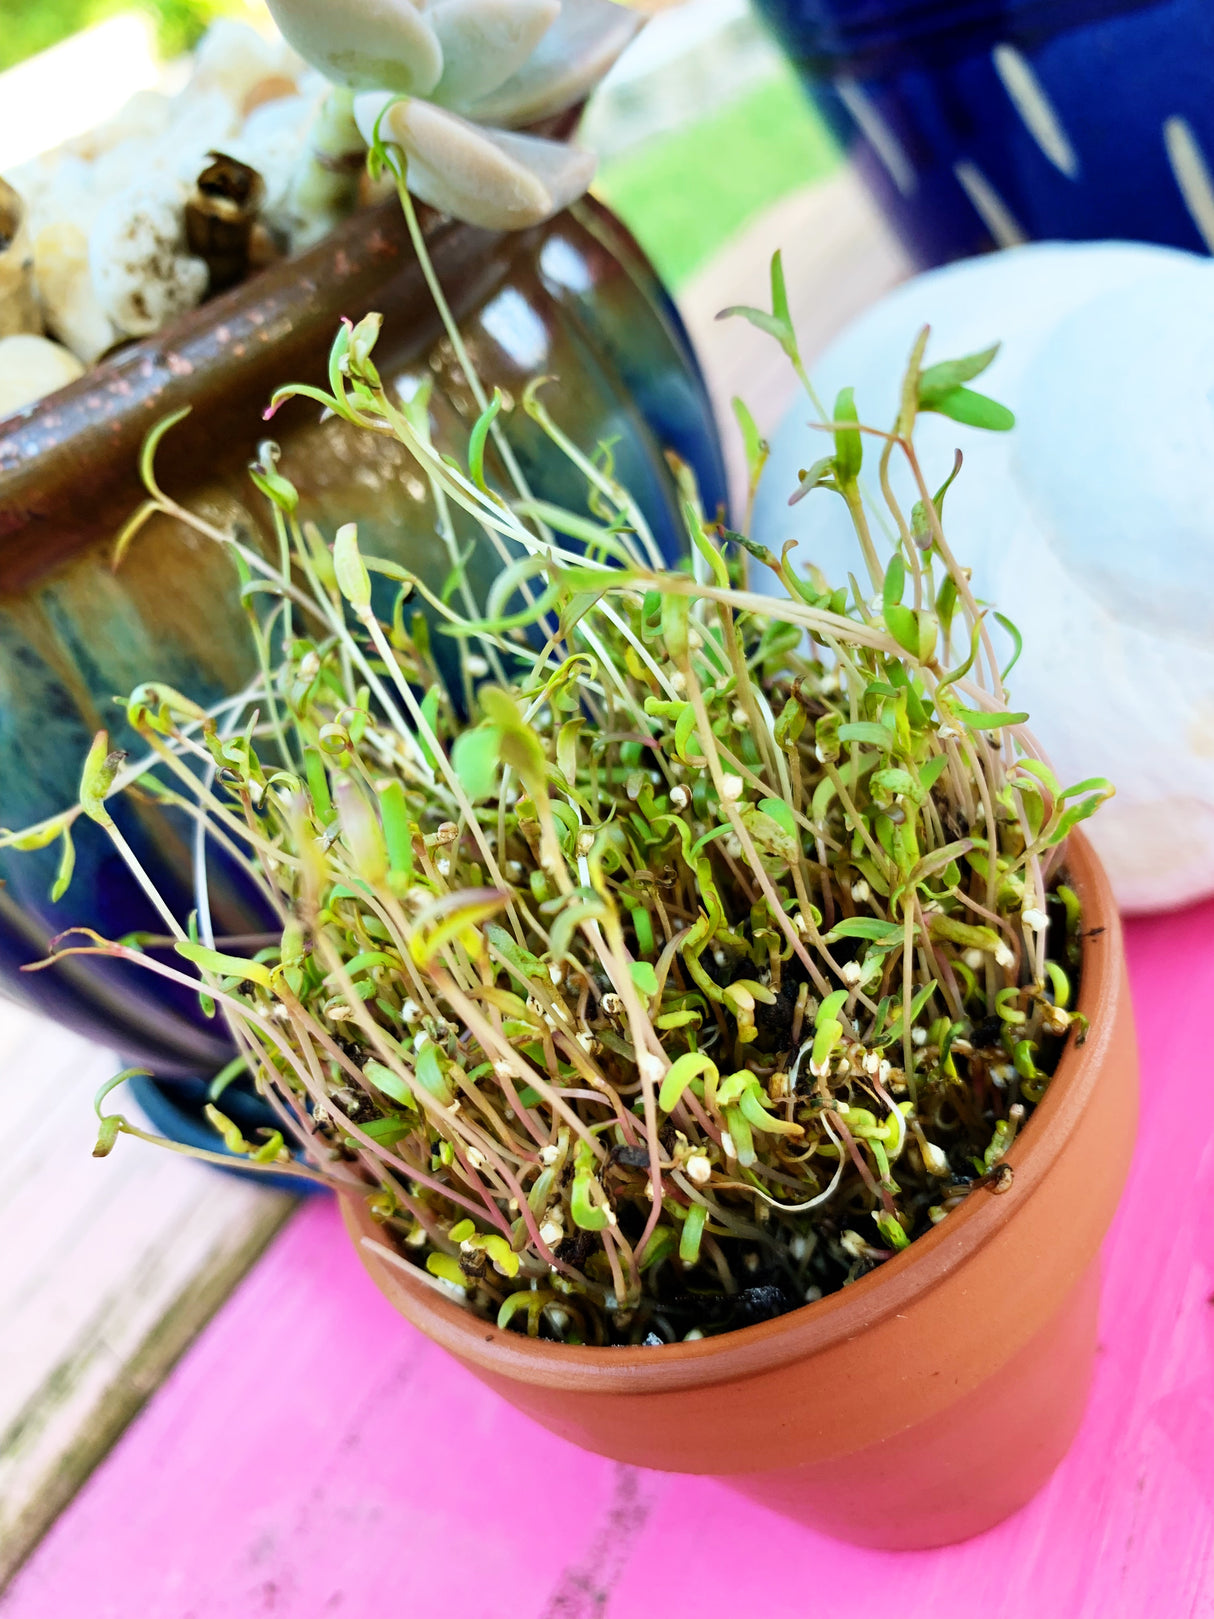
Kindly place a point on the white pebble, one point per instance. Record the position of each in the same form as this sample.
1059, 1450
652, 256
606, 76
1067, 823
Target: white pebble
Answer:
30, 368
235, 60
142, 272
934, 1160
70, 305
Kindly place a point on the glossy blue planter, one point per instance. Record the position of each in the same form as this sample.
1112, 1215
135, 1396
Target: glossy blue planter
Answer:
574, 299
979, 124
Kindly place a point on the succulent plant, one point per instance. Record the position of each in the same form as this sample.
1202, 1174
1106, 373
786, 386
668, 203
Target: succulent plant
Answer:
450, 82
655, 952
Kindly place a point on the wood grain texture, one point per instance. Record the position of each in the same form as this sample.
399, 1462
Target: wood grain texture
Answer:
107, 1270
312, 1455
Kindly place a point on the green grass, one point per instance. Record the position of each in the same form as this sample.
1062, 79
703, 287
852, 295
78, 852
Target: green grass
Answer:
684, 194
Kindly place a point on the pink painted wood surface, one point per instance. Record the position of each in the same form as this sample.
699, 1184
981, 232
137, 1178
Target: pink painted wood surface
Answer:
313, 1456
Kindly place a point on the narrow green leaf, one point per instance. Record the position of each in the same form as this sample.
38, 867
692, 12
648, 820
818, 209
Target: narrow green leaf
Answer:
1017, 644
931, 772
946, 603
446, 1268
644, 977
1093, 784
782, 814
973, 410
431, 1075
771, 324
676, 625
1076, 813
963, 669
864, 927
353, 580
361, 831
692, 1233
979, 720
398, 833
392, 1085
67, 865
478, 436
97, 778
822, 472
849, 447
147, 455
920, 526
457, 915
948, 375
830, 1008
895, 581
215, 961
753, 444
129, 530
865, 731
232, 1138
1044, 775
779, 293
903, 625
318, 786
279, 491
891, 1230
680, 1074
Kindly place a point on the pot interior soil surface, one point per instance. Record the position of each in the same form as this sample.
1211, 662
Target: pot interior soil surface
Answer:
917, 1406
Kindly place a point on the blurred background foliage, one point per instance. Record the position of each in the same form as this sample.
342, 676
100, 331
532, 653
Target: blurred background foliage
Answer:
27, 26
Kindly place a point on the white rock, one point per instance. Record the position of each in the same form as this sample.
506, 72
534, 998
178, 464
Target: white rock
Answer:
30, 368
1091, 525
141, 270
203, 121
144, 117
128, 162
274, 141
235, 60
65, 191
70, 306
316, 186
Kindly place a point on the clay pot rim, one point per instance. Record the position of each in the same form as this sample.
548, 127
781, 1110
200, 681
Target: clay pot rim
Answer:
892, 1289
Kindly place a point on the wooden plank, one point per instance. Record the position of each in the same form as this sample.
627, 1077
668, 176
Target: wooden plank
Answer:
107, 1270
312, 1455
839, 257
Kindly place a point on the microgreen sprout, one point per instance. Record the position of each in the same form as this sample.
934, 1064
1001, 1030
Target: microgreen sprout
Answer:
665, 953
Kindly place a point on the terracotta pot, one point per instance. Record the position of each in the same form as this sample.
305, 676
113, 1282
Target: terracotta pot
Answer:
918, 1406
574, 299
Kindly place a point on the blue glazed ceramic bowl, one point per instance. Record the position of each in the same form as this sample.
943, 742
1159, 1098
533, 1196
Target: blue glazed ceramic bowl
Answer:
982, 123
574, 299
